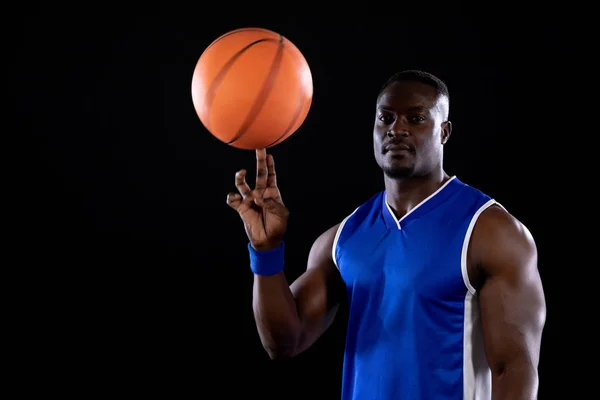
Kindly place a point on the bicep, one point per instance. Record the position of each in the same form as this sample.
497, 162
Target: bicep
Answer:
512, 314
511, 299
319, 290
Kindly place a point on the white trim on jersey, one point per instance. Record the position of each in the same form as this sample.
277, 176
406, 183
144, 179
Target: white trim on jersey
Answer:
398, 221
467, 239
337, 237
477, 378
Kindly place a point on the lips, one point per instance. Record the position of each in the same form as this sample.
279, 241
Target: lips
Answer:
397, 147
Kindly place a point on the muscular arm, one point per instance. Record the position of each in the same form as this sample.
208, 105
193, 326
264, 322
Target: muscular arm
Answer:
291, 318
511, 301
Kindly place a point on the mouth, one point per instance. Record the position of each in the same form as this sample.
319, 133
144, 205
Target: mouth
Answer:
397, 148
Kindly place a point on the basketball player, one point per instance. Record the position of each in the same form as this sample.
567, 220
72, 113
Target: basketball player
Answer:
445, 299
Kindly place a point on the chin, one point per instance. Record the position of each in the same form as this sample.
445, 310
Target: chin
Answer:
398, 171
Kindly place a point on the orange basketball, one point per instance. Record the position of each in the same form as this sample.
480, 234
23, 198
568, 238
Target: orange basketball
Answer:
252, 88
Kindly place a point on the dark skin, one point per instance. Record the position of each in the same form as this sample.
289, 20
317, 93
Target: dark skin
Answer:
411, 127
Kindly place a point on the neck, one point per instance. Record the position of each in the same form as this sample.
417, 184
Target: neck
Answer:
406, 193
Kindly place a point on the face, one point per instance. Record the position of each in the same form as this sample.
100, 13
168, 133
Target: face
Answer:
410, 129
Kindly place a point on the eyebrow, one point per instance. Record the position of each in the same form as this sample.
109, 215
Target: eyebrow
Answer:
413, 108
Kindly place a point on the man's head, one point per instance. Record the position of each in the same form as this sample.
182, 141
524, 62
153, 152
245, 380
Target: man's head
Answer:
411, 124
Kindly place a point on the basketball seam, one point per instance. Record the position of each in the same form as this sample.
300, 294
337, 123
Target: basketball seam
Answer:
263, 94
211, 92
261, 30
291, 124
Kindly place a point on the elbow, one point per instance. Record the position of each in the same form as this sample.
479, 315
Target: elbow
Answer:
279, 351
281, 348
279, 340
279, 354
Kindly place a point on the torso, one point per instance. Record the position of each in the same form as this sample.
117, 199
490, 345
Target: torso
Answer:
413, 328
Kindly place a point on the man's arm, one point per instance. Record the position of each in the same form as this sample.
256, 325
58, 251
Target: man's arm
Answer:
511, 301
291, 318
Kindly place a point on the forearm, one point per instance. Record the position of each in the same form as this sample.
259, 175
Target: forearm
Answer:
274, 306
276, 315
516, 381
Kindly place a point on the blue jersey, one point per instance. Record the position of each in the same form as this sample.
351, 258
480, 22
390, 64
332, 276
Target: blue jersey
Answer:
413, 330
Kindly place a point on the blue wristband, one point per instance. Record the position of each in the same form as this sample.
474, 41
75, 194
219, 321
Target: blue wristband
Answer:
266, 263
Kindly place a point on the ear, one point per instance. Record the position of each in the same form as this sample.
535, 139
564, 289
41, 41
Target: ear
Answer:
446, 131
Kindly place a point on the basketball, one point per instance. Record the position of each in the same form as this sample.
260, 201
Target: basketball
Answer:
252, 88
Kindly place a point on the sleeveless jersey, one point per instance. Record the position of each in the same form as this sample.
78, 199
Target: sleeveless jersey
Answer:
413, 330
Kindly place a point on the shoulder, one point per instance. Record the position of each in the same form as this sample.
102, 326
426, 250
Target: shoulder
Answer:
497, 225
501, 243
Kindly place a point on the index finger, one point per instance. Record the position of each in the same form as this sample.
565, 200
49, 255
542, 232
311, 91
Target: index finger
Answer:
261, 169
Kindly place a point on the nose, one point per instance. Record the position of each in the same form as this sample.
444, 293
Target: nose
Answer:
397, 129
397, 132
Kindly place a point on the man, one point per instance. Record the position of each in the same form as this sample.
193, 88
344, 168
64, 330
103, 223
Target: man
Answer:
445, 299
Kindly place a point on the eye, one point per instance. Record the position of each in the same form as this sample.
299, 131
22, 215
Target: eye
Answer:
386, 119
417, 118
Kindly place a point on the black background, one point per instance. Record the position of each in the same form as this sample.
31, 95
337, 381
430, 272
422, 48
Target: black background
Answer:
136, 270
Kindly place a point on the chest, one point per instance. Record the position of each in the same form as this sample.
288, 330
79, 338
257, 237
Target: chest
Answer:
404, 264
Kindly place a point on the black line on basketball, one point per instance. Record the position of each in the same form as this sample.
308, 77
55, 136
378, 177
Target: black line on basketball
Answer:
210, 93
261, 98
292, 122
233, 33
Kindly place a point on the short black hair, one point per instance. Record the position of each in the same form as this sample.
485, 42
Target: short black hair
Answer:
418, 76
